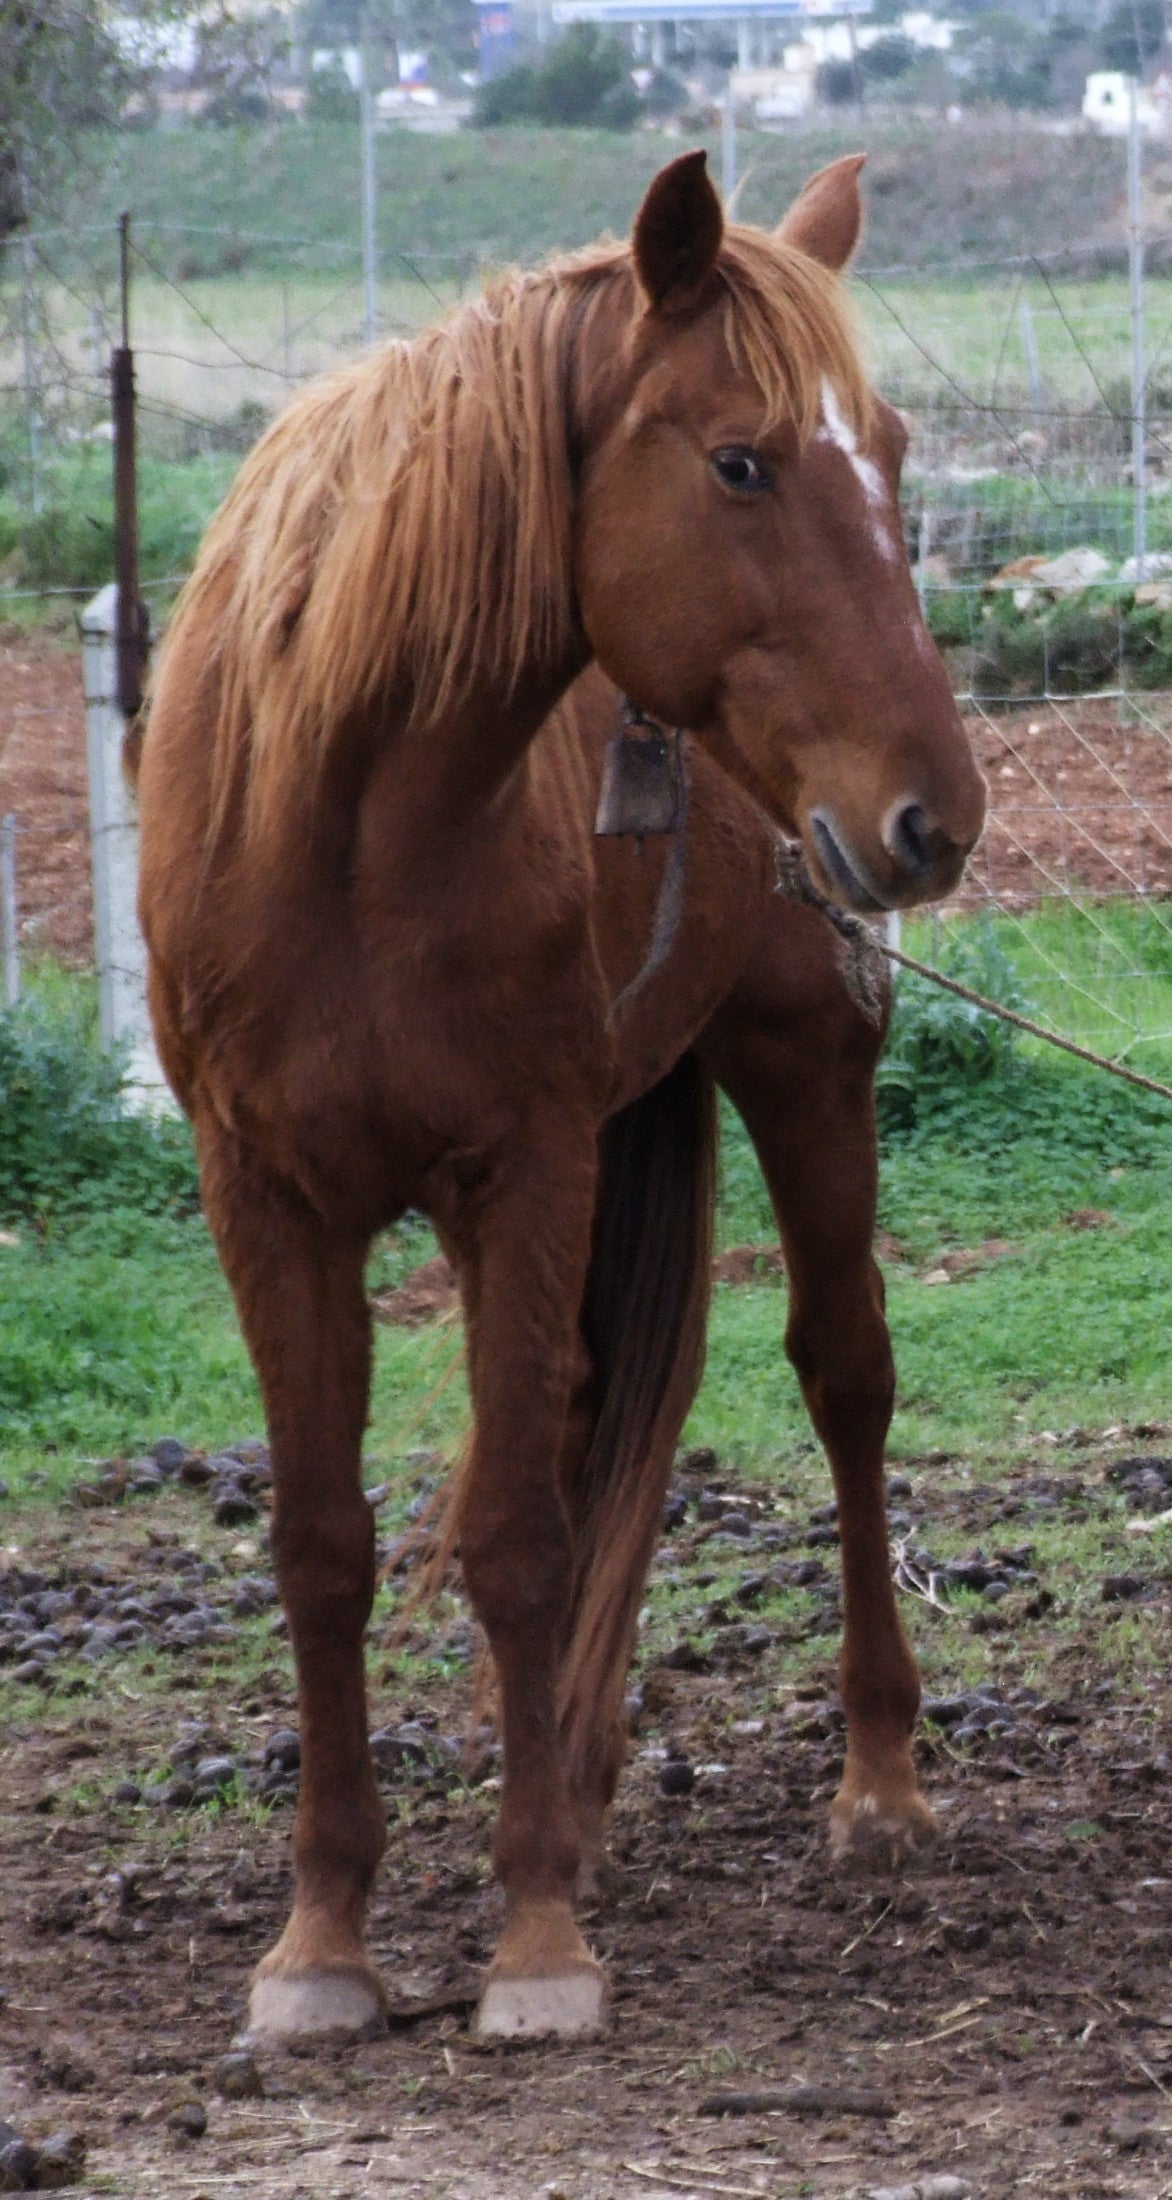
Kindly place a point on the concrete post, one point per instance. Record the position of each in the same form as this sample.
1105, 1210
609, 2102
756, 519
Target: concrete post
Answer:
118, 943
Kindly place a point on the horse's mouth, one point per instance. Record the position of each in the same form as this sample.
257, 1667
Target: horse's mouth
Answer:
846, 875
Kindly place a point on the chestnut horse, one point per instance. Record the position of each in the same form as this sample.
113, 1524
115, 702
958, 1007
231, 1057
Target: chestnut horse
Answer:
376, 976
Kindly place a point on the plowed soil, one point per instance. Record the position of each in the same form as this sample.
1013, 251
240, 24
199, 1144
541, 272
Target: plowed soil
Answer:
1080, 798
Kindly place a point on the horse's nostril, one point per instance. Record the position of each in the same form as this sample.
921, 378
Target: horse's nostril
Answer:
912, 840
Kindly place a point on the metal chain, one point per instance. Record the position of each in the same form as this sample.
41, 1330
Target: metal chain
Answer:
794, 879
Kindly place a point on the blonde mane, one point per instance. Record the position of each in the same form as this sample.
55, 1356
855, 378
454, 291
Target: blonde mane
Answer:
403, 531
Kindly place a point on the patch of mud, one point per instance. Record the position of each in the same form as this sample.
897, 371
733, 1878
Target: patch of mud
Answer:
1004, 2001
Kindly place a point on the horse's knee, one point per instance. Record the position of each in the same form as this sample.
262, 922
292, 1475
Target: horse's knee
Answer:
517, 1577
324, 1562
840, 1349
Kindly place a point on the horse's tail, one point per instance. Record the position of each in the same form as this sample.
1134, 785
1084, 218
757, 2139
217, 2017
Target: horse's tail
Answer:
644, 1321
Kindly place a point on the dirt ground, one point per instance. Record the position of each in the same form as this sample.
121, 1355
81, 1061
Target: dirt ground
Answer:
1080, 800
999, 2008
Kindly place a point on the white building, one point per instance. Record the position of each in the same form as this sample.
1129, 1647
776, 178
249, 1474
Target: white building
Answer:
1106, 103
760, 26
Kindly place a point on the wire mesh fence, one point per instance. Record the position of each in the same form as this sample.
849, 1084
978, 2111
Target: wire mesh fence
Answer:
1044, 566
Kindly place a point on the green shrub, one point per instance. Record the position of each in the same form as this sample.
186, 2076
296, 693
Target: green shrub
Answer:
1084, 643
330, 96
67, 546
582, 84
67, 1142
939, 1046
955, 1082
951, 617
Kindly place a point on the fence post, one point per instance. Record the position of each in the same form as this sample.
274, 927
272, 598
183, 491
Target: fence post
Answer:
369, 230
1030, 347
118, 943
728, 148
32, 404
1135, 269
9, 937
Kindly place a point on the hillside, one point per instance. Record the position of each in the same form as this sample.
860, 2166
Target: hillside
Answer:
939, 194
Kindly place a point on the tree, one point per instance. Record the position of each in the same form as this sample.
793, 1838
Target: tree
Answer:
238, 52
60, 70
1133, 35
583, 83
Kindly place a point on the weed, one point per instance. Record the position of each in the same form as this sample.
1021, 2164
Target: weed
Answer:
66, 1142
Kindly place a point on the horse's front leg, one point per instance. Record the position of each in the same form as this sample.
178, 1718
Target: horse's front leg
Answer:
798, 1059
523, 1262
299, 1293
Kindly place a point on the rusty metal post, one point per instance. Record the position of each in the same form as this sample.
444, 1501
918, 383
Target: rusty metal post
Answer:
132, 633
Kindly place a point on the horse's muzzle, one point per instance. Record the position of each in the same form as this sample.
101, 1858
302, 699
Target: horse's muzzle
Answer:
918, 861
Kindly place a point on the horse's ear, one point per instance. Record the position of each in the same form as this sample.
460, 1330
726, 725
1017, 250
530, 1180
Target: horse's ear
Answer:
677, 235
826, 219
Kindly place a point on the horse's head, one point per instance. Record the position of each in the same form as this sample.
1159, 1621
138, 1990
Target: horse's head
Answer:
740, 558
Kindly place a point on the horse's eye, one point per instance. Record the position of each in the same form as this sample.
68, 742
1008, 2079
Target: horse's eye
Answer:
742, 469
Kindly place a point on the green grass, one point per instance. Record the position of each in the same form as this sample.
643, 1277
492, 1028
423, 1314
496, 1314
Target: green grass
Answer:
118, 1327
199, 196
1100, 973
1070, 1328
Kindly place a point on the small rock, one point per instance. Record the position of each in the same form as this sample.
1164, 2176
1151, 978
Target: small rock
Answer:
942, 2187
232, 1506
195, 1470
284, 1749
215, 1772
176, 1794
237, 2077
676, 1777
1121, 1588
193, 1741
18, 2167
254, 1593
188, 2119
126, 1791
1128, 2133
685, 1657
169, 1455
60, 2160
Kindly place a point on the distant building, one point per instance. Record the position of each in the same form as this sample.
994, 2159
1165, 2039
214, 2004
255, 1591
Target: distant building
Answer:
761, 27
1106, 104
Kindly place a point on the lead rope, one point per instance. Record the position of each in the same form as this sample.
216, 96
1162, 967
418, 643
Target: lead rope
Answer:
794, 879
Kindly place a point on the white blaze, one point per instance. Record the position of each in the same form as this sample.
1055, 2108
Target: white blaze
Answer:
837, 429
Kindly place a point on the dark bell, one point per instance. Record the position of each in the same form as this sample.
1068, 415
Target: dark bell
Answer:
640, 784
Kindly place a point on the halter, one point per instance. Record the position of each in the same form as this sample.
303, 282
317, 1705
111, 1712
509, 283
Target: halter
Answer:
645, 790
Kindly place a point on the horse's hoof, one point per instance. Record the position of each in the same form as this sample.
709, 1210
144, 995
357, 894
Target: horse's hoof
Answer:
303, 2005
569, 2007
868, 1833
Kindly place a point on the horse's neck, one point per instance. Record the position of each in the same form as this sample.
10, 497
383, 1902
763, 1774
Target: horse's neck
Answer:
428, 789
